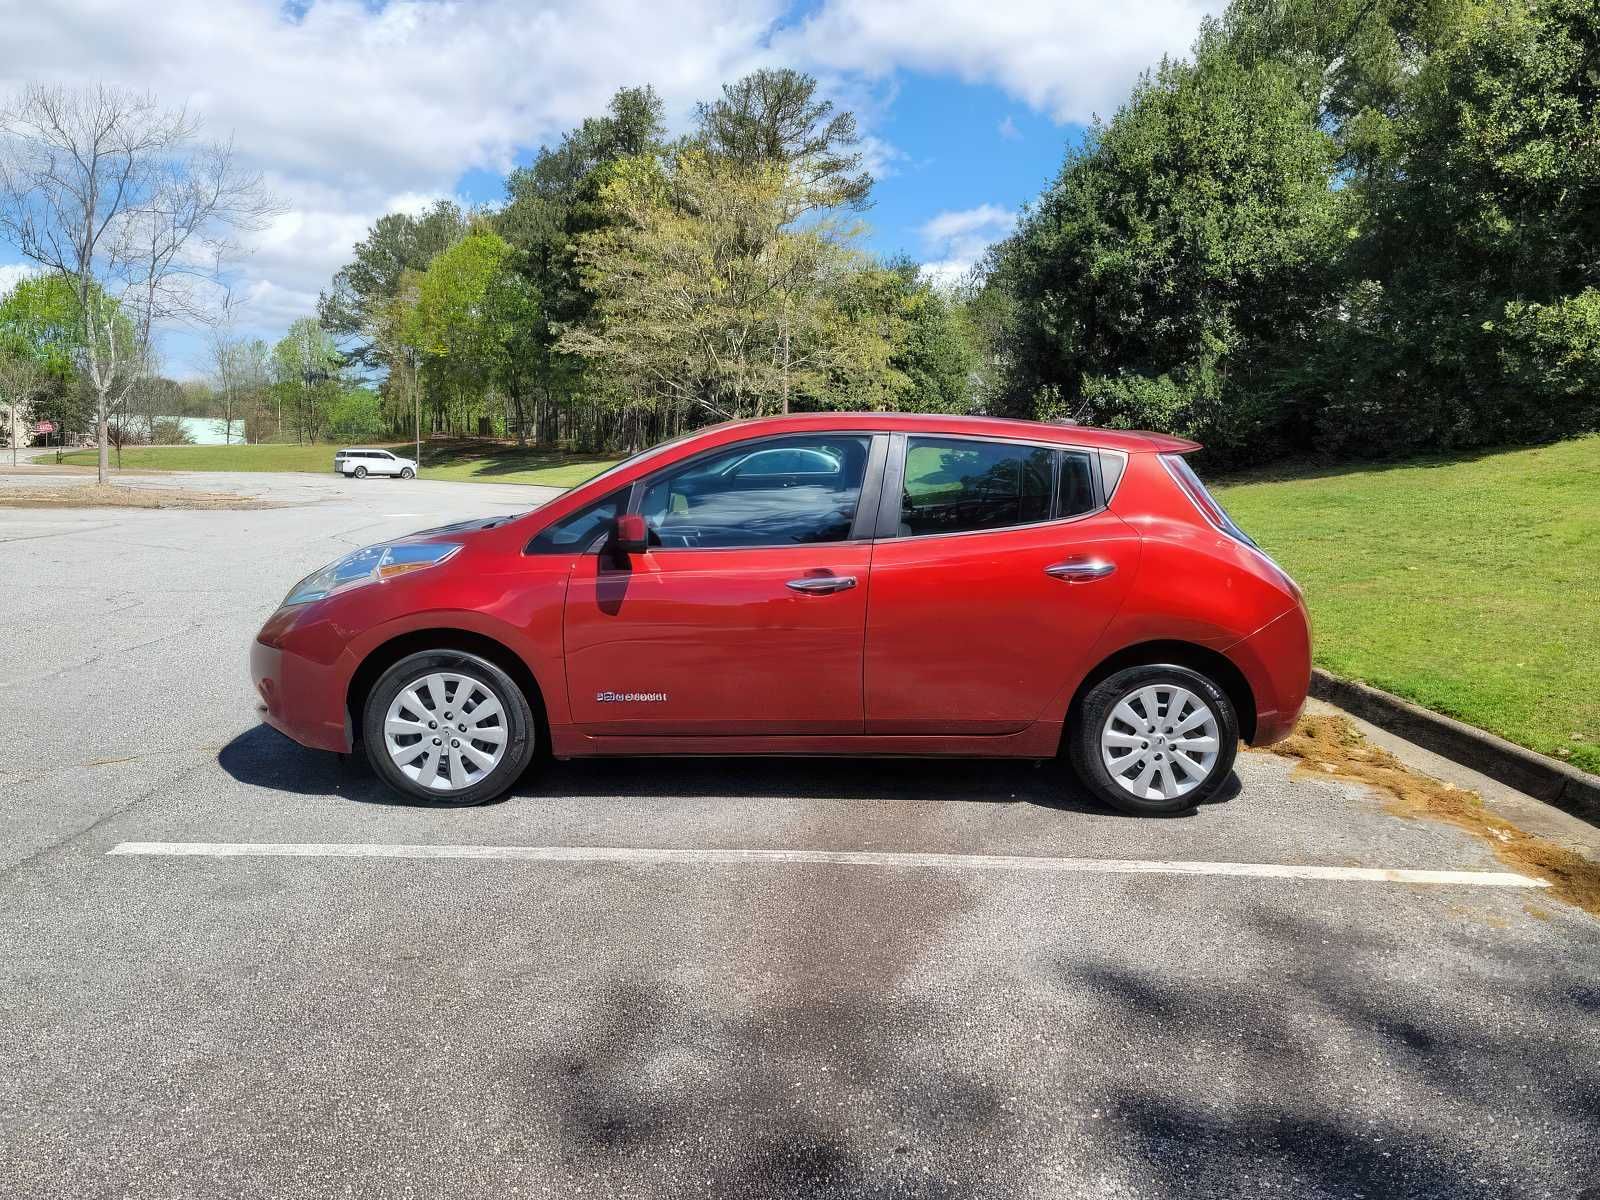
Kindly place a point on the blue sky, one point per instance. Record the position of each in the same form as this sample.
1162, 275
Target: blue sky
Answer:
351, 108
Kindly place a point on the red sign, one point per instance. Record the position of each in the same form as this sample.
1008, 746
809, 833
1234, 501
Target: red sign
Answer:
45, 427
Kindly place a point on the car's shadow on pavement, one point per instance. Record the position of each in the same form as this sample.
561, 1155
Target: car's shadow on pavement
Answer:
262, 757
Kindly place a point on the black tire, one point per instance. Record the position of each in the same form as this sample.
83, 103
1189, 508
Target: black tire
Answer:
407, 473
520, 723
361, 472
1090, 718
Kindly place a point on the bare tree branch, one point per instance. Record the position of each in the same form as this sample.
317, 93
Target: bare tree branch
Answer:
120, 197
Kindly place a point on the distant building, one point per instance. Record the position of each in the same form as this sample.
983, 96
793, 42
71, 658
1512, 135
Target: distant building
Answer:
209, 431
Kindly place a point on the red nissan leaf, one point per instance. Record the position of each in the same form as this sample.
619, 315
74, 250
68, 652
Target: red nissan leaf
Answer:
839, 584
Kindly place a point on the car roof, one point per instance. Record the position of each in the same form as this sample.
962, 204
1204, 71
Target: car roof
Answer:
1133, 441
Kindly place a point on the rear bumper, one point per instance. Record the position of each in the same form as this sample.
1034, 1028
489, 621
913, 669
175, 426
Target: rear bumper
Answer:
301, 699
1276, 662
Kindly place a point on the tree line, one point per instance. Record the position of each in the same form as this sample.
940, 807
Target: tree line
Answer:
1349, 227
631, 286
1339, 227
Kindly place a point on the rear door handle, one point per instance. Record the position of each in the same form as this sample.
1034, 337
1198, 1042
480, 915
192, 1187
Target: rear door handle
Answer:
1080, 570
821, 585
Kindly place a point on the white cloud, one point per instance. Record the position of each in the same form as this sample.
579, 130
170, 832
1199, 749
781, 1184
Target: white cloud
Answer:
1068, 58
352, 108
1008, 130
956, 240
351, 112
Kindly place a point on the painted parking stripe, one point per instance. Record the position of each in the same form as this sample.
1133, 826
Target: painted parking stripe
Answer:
847, 858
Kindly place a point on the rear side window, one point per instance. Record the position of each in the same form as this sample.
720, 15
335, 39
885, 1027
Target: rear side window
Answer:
576, 532
1202, 499
1075, 485
955, 486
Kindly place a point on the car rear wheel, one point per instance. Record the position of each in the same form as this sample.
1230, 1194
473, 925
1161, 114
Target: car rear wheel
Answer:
407, 473
361, 472
449, 727
1154, 740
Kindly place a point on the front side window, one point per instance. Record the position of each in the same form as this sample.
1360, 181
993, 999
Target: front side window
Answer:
954, 486
576, 532
796, 492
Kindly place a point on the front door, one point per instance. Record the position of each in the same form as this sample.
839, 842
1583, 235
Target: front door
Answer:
747, 614
1003, 574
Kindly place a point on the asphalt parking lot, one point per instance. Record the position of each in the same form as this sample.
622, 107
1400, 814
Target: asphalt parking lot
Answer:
841, 1021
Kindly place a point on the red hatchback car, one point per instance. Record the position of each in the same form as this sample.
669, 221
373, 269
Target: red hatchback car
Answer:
839, 584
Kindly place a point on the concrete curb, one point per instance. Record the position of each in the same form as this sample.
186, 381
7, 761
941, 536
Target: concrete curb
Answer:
1547, 779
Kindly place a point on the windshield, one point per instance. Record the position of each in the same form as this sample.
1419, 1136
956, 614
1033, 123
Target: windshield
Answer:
647, 453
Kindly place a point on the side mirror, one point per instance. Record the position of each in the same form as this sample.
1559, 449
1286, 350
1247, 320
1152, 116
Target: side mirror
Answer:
632, 535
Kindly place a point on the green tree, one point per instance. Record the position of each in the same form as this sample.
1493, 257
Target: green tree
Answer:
42, 333
305, 368
705, 304
1360, 60
1179, 261
936, 347
549, 205
774, 116
1477, 258
515, 316
453, 326
353, 309
354, 415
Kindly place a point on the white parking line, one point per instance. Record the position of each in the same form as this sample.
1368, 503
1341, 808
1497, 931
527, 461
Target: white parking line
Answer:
848, 858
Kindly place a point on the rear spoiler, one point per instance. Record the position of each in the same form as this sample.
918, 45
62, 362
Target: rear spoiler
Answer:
1165, 443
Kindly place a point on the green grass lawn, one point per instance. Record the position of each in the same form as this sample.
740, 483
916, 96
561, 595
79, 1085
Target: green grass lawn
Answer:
475, 462
1470, 586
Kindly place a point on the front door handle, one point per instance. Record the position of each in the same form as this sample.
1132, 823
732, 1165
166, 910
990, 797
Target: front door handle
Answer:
1080, 570
821, 585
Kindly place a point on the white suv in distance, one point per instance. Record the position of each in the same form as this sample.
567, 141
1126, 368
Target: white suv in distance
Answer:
361, 462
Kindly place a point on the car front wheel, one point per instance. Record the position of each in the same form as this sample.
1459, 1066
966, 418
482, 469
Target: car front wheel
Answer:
407, 473
450, 727
1154, 740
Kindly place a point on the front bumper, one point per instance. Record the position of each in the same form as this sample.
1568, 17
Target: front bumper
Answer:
1276, 662
301, 699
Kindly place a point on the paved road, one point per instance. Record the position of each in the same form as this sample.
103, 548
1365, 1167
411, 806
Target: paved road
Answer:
280, 1027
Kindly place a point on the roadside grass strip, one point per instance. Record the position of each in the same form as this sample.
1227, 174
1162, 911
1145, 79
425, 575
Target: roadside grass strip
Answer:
846, 858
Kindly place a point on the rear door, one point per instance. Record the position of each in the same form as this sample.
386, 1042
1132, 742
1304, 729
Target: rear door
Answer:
1001, 569
747, 613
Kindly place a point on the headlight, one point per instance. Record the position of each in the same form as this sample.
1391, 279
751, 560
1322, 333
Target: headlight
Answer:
373, 564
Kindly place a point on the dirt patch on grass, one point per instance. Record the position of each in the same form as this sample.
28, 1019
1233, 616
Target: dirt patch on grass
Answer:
1327, 745
111, 495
